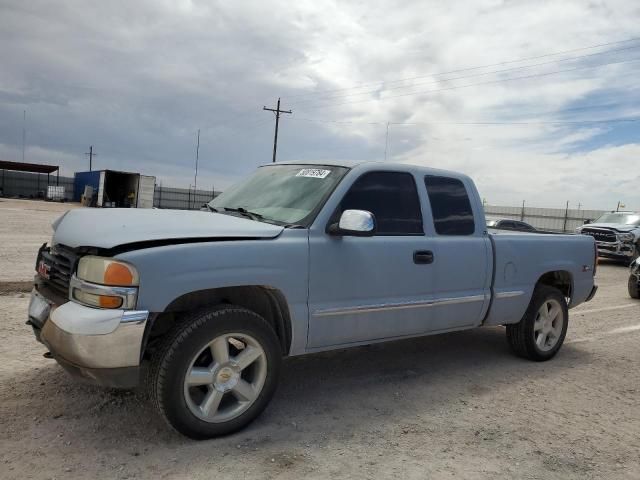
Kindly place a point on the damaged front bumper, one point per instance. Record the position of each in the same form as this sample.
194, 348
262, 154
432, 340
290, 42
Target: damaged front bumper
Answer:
618, 250
101, 345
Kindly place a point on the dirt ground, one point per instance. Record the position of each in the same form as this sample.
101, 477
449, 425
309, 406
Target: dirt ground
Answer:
457, 405
24, 226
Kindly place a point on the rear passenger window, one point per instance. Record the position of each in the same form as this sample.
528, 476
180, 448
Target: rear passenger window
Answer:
392, 197
452, 214
526, 227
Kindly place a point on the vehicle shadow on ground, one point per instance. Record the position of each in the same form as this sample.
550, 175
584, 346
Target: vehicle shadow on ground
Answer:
320, 396
614, 263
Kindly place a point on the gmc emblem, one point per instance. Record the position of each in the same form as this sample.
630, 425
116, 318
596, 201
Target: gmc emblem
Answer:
43, 269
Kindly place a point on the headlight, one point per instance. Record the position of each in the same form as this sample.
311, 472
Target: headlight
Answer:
107, 271
626, 237
105, 283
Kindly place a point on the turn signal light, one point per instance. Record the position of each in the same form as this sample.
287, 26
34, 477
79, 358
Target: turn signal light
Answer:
103, 301
110, 302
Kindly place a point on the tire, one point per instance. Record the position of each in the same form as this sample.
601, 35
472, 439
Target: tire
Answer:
197, 391
527, 337
634, 287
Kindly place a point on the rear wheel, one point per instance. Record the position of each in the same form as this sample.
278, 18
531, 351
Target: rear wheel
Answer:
634, 287
215, 372
541, 332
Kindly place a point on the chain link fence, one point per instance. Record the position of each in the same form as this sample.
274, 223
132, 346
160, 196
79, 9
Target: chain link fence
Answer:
551, 219
181, 198
34, 185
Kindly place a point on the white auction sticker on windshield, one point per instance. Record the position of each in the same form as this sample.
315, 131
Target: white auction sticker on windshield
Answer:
313, 173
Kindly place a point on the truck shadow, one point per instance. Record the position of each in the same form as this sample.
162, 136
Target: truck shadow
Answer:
321, 396
613, 263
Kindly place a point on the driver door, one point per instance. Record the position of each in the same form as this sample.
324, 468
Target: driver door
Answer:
362, 289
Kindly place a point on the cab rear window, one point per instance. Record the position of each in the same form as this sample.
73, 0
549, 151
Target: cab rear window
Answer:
450, 205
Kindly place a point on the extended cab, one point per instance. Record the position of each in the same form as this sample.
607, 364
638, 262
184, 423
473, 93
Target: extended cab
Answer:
201, 306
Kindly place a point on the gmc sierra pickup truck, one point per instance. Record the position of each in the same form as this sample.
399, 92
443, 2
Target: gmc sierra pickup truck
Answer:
200, 307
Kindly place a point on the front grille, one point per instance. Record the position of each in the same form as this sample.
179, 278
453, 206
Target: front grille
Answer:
600, 235
60, 262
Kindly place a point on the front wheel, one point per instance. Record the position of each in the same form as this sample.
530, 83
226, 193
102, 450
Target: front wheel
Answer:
215, 372
540, 333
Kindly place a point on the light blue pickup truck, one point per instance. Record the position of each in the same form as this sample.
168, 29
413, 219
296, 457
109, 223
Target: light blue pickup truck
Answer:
200, 307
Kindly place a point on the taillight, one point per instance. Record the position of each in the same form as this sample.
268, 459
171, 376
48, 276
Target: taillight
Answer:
595, 258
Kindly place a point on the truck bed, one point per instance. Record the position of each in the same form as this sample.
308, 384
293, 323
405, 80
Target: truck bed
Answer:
520, 259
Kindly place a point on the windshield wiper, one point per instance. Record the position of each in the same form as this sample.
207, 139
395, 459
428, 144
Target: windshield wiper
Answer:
245, 212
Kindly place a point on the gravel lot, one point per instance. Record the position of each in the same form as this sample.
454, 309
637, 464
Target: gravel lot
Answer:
24, 226
451, 406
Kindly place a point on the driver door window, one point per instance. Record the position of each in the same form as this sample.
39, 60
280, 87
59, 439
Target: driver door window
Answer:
392, 197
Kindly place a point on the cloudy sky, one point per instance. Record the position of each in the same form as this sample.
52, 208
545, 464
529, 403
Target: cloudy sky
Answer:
537, 100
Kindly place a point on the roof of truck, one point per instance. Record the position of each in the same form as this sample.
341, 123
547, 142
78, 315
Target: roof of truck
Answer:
372, 164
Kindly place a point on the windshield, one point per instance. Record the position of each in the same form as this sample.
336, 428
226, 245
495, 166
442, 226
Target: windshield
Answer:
620, 218
288, 194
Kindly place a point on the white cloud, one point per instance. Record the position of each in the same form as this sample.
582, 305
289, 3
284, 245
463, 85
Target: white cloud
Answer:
137, 79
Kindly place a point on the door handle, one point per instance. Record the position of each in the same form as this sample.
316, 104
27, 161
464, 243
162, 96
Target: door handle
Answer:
422, 257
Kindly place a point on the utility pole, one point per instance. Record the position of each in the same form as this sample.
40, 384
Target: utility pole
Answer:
24, 132
195, 179
386, 143
277, 111
91, 155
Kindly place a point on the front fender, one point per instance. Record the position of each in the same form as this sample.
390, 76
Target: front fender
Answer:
171, 271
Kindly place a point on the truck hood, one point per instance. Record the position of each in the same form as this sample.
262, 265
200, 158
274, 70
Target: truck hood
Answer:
618, 227
112, 227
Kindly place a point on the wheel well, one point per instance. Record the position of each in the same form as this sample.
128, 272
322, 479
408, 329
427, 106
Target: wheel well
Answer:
267, 302
560, 279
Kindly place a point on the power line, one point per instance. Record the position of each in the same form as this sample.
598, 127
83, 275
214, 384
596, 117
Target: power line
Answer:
551, 122
511, 69
489, 82
382, 82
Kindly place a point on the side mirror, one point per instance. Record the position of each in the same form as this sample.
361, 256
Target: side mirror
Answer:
357, 223
587, 222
